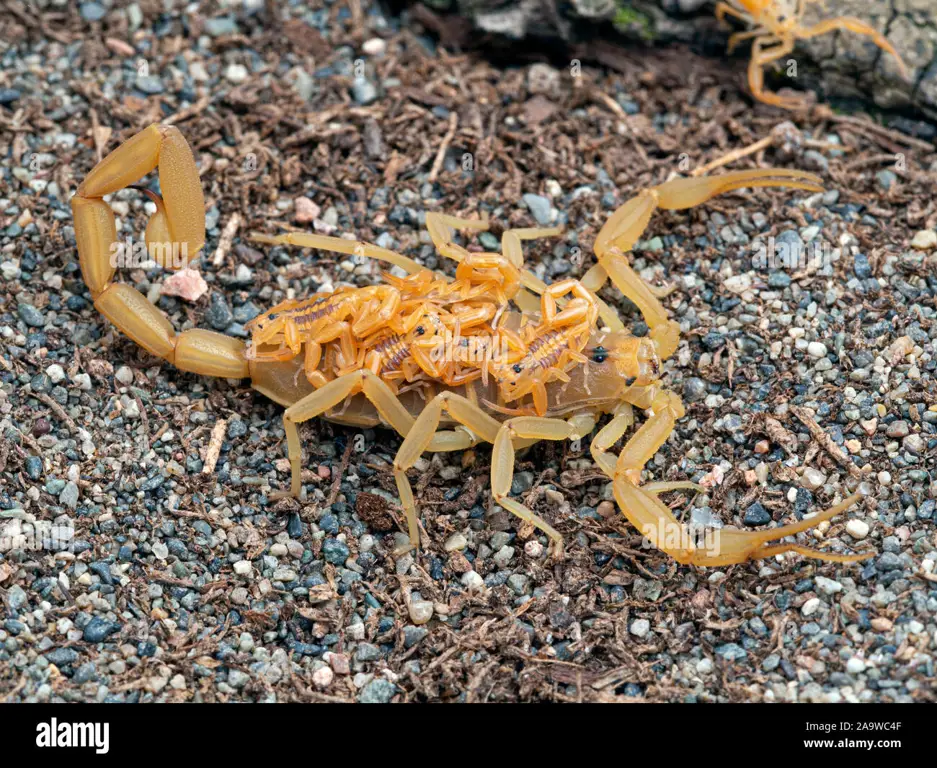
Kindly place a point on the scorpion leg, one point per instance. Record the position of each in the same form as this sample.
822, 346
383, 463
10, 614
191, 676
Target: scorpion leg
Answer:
860, 28
756, 75
420, 437
739, 37
657, 523
340, 245
723, 9
511, 248
524, 428
181, 218
326, 397
392, 411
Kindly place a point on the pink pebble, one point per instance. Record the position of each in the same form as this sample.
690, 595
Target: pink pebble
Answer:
186, 283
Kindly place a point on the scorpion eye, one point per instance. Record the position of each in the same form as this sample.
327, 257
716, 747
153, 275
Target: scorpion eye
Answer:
518, 368
420, 330
599, 355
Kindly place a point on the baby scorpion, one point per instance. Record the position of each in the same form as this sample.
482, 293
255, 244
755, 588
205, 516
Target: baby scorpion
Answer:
605, 370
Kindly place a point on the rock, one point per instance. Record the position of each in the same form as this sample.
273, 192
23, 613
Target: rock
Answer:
886, 179
756, 514
898, 429
69, 495
861, 266
413, 636
236, 73
503, 556
816, 349
363, 91
220, 26
855, 666
149, 85
92, 11
322, 677
925, 240
305, 210
237, 678
62, 656
828, 586
33, 466
219, 314
518, 583
731, 652
375, 46
186, 284
17, 598
812, 479
124, 375
421, 611
98, 630
378, 691
31, 316
472, 581
540, 208
694, 389
640, 627
335, 551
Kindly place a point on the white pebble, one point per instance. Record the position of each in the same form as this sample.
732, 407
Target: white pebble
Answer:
855, 666
421, 611
323, 677
472, 581
533, 548
812, 479
858, 529
374, 47
124, 375
828, 586
236, 73
56, 373
640, 627
811, 606
243, 567
816, 349
925, 240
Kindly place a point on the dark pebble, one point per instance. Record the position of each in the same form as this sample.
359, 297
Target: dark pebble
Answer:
33, 466
756, 514
97, 630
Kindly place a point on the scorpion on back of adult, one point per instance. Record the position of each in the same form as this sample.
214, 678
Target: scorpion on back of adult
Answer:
561, 391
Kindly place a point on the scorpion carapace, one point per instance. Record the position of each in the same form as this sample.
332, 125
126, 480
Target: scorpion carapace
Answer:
578, 363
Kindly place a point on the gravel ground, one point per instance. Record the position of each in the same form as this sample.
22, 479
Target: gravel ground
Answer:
802, 382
